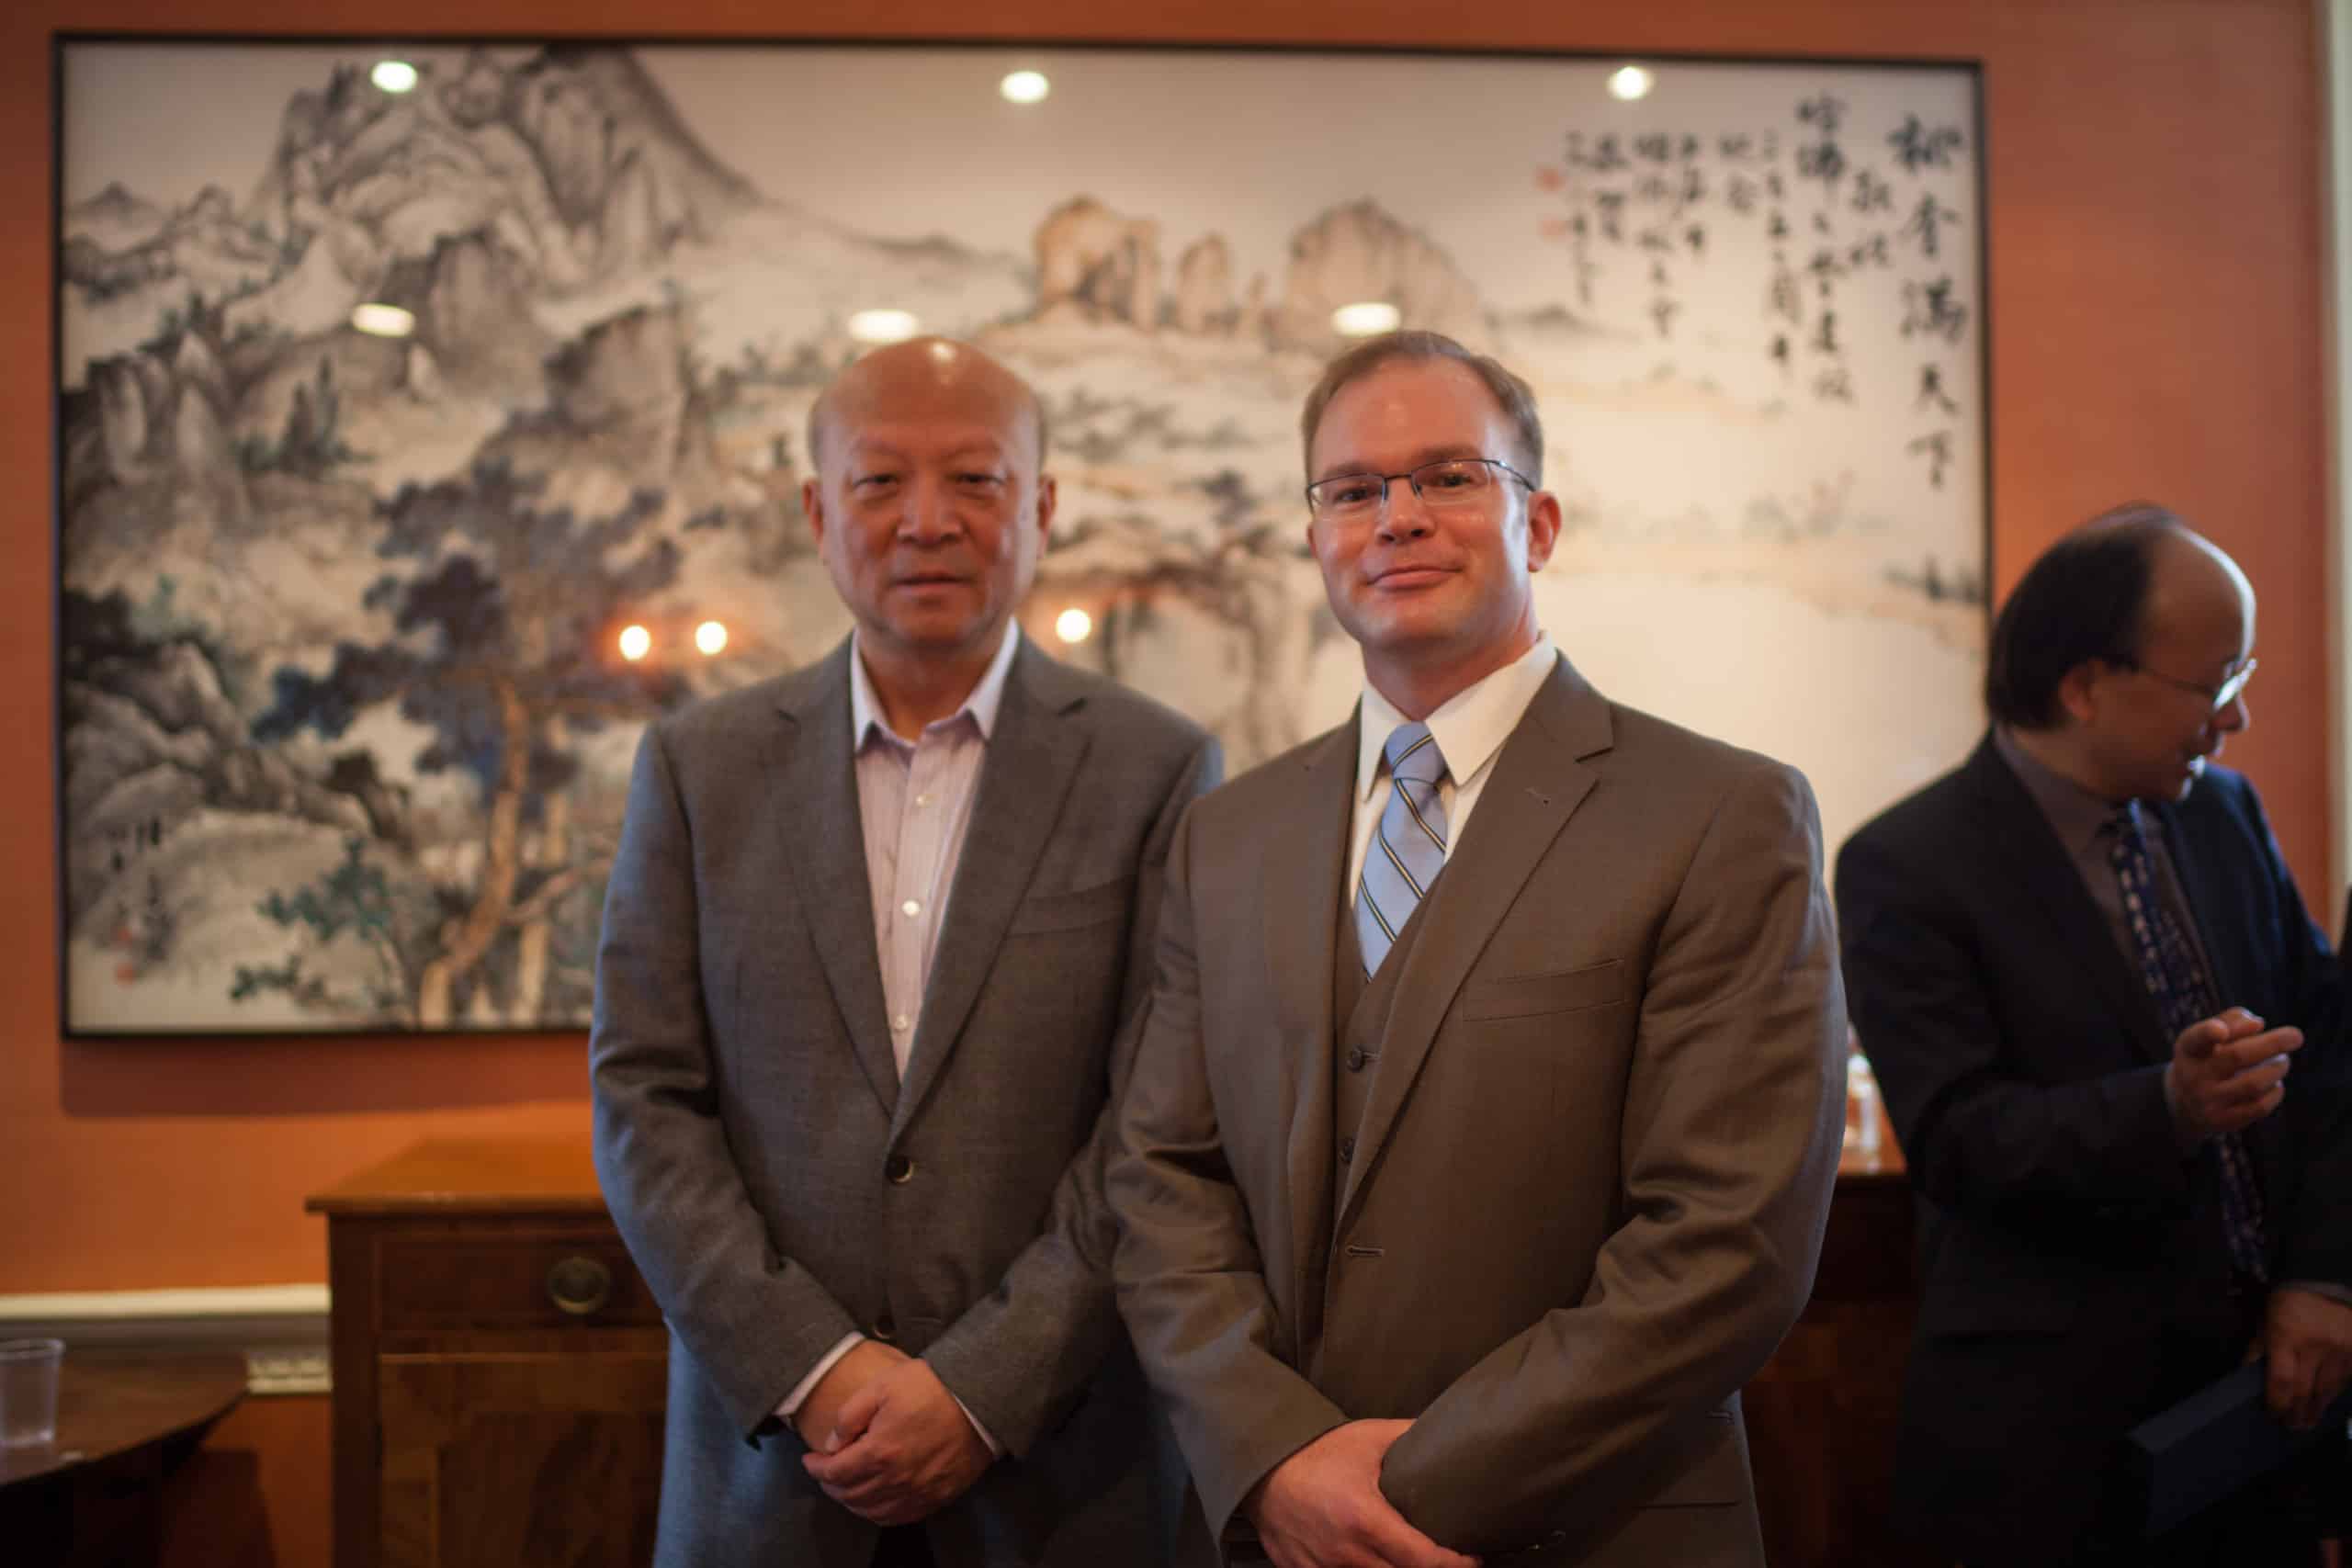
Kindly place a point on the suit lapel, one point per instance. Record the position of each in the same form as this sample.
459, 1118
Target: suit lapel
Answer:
1538, 781
815, 768
1305, 862
2022, 840
1030, 761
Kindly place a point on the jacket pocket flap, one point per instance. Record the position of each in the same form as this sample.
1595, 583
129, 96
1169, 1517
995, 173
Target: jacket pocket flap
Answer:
1521, 996
1068, 911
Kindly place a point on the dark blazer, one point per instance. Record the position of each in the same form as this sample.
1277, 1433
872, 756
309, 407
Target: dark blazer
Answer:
1586, 1192
2063, 1231
747, 1109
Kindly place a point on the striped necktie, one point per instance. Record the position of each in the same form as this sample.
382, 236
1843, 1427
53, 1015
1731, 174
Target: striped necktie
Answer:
2184, 994
1408, 848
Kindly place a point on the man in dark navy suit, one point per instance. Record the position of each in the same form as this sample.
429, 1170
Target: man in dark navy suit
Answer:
2083, 974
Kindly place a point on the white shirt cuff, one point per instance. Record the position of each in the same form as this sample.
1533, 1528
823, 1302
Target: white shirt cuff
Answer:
792, 1402
790, 1405
996, 1450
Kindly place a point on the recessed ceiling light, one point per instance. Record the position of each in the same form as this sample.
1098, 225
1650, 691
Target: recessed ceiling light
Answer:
1073, 625
1026, 87
383, 320
883, 326
393, 75
710, 636
636, 643
1366, 318
1631, 82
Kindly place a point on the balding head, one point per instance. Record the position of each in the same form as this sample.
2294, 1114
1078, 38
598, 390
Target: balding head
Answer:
2192, 584
2098, 593
2121, 654
925, 379
929, 508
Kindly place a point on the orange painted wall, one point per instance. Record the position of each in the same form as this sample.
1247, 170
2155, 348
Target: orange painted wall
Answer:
2155, 288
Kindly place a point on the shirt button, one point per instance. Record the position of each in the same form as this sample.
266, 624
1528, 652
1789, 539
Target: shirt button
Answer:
923, 800
899, 1170
1347, 1150
901, 1022
1356, 1059
912, 907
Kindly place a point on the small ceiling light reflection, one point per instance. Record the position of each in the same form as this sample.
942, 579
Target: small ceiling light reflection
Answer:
883, 326
1026, 87
1073, 625
636, 643
1366, 318
710, 636
1630, 82
382, 321
393, 75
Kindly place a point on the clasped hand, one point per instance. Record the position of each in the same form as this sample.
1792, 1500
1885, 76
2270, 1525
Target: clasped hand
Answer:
886, 1439
2308, 1337
1322, 1507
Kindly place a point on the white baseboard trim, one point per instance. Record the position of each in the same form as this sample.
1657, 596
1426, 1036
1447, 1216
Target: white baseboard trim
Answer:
280, 1329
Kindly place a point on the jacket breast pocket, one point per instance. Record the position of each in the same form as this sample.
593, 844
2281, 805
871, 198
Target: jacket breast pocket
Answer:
1073, 910
1531, 996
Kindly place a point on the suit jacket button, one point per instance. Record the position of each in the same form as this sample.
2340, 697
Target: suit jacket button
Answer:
1347, 1150
1356, 1059
885, 1329
898, 1169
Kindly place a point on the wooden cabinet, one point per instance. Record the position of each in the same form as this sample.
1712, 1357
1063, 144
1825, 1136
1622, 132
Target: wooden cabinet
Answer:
1821, 1416
499, 1370
499, 1365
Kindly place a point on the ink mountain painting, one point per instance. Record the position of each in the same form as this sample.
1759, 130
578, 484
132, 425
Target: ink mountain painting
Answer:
347, 715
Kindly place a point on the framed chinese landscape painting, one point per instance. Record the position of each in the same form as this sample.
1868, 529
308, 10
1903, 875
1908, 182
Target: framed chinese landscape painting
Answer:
429, 418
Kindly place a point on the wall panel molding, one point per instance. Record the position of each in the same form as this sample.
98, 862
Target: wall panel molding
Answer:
281, 1330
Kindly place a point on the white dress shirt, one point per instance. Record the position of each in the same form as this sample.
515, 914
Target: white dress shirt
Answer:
1469, 730
914, 801
914, 804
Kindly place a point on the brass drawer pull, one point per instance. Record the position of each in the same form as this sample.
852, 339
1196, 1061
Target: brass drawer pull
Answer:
578, 1285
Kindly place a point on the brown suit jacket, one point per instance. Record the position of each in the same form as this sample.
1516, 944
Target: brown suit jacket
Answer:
1595, 1160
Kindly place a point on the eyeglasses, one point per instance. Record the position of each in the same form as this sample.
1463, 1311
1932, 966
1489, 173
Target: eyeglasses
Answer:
2221, 697
1456, 482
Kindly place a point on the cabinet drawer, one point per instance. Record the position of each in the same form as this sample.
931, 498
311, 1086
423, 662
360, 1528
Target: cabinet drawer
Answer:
509, 1279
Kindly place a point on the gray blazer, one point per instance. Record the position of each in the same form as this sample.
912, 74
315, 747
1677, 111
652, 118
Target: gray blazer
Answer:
1589, 1184
747, 1109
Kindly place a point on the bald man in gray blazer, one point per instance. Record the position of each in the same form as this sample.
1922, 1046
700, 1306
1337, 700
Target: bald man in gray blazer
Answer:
872, 932
1482, 1133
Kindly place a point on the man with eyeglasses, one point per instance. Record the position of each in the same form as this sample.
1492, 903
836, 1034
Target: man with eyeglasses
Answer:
1478, 1145
2082, 973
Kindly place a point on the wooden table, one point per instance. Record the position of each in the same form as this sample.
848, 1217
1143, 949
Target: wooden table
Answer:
124, 1422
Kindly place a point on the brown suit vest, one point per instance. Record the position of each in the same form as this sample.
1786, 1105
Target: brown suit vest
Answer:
1362, 1005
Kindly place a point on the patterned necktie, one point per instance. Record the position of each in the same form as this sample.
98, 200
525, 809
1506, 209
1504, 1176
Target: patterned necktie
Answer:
1408, 848
2184, 994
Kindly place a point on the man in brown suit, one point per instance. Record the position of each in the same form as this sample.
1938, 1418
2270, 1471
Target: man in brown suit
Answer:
1457, 1208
